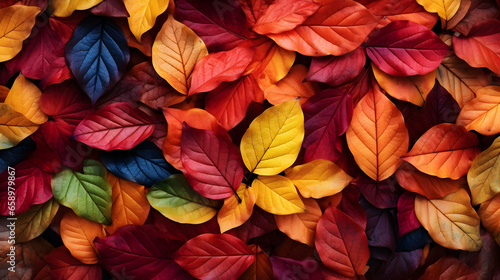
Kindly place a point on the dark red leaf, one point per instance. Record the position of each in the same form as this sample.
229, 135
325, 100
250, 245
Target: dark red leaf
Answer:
284, 268
66, 102
407, 220
110, 8
350, 205
400, 265
380, 227
479, 10
64, 266
382, 194
259, 224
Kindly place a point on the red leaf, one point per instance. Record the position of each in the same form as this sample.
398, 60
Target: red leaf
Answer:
213, 165
259, 224
479, 10
141, 252
253, 9
110, 8
7, 3
405, 48
337, 70
407, 220
215, 256
392, 10
450, 268
229, 102
182, 232
118, 126
381, 194
327, 115
341, 243
64, 266
350, 205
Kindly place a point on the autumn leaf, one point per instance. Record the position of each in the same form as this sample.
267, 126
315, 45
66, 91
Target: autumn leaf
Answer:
63, 265
481, 114
24, 97
291, 87
17, 22
277, 195
445, 9
143, 15
35, 221
489, 213
14, 126
235, 212
483, 175
64, 8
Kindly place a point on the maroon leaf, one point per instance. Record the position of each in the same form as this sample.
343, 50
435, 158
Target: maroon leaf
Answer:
284, 268
479, 10
400, 265
381, 194
64, 266
405, 48
350, 205
407, 220
110, 8
380, 227
213, 165
259, 224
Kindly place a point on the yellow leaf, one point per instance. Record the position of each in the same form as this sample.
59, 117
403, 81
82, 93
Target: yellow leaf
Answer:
272, 142
277, 68
451, 221
143, 14
277, 195
301, 226
16, 23
78, 236
377, 136
14, 127
489, 212
234, 213
484, 174
35, 221
482, 114
130, 205
445, 9
318, 178
413, 89
176, 51
24, 97
64, 8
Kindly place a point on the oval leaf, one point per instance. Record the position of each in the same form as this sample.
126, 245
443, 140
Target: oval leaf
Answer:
277, 195
62, 265
64, 8
236, 210
17, 22
14, 127
450, 221
143, 14
24, 97
35, 221
489, 212
97, 54
301, 226
87, 193
484, 174
273, 139
445, 9
176, 200
482, 113
291, 87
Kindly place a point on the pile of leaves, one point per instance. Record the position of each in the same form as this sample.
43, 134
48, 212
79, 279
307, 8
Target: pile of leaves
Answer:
250, 139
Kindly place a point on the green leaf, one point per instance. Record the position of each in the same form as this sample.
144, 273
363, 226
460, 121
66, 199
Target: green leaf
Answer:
35, 221
176, 200
87, 193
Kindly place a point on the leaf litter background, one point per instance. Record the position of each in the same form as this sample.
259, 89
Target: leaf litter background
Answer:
251, 139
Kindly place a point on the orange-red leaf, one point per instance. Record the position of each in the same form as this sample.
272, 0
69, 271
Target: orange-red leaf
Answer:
291, 87
302, 226
489, 212
482, 114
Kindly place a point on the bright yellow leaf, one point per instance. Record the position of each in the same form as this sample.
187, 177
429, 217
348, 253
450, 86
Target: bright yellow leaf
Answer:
445, 9
234, 213
451, 221
318, 178
484, 174
130, 205
24, 97
176, 51
272, 142
64, 8
277, 195
14, 127
16, 23
143, 14
482, 113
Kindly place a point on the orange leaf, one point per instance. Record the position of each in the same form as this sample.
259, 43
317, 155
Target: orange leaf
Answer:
450, 221
445, 150
302, 226
78, 236
279, 66
292, 87
234, 213
261, 268
196, 118
449, 268
377, 136
16, 22
489, 212
482, 114
130, 205
324, 33
24, 97
413, 89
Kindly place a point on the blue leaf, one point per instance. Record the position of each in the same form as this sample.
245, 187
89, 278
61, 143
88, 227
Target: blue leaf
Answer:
14, 155
97, 55
144, 164
413, 240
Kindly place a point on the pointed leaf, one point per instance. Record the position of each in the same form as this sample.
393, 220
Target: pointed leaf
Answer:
35, 221
234, 212
377, 136
110, 8
64, 266
446, 151
481, 114
392, 10
318, 178
407, 220
398, 54
261, 268
489, 212
24, 97
213, 165
176, 200
118, 126
277, 195
64, 8
78, 235
143, 15
14, 126
301, 226
484, 174
341, 243
445, 9
292, 87
214, 256
272, 142
130, 205
451, 221
17, 22
381, 194
97, 55
176, 51
87, 193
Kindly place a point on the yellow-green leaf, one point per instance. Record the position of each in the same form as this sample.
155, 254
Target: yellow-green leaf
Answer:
64, 8
143, 14
16, 23
272, 142
318, 178
277, 195
14, 127
176, 51
35, 221
451, 221
445, 9
24, 97
484, 174
176, 200
234, 213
